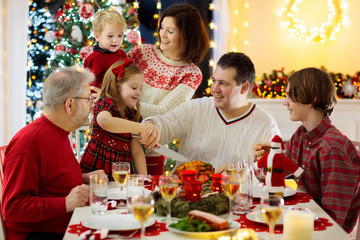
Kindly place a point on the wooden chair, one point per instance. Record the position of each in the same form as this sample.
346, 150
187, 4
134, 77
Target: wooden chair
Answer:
2, 158
356, 144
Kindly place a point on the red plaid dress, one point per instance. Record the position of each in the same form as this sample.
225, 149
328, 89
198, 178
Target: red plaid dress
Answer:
331, 170
105, 147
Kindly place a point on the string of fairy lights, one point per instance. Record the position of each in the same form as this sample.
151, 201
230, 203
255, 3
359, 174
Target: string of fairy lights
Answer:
325, 31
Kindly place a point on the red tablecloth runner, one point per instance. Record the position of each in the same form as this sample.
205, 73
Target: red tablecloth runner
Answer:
152, 230
319, 225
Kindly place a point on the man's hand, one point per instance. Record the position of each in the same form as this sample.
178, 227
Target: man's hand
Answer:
258, 151
78, 197
96, 94
150, 135
86, 176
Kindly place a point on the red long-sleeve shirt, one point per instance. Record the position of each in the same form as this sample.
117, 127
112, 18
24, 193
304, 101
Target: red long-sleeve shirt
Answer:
40, 170
99, 62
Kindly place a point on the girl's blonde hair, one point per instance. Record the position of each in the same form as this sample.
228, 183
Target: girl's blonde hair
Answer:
104, 17
109, 87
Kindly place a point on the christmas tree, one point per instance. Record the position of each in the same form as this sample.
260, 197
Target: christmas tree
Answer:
40, 24
74, 39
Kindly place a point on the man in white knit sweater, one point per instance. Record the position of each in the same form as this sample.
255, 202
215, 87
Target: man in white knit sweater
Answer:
218, 129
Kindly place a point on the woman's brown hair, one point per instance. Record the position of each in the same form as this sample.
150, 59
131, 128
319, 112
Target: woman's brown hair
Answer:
313, 86
109, 87
194, 36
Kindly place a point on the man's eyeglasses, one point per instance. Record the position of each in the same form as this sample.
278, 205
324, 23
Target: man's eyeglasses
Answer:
90, 99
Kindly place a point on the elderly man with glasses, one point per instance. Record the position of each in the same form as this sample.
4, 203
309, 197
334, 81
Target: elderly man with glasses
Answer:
43, 182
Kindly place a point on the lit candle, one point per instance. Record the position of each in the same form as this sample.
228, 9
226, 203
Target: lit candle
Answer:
298, 225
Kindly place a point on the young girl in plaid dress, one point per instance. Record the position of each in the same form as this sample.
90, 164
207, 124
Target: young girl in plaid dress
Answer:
116, 116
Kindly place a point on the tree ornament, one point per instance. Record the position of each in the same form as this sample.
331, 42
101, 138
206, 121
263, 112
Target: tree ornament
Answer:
133, 37
49, 36
86, 11
59, 14
85, 52
60, 49
67, 6
72, 50
76, 33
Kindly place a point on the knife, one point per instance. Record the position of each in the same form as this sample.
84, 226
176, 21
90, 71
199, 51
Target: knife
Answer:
170, 154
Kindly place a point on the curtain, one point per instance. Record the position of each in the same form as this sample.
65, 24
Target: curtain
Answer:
13, 48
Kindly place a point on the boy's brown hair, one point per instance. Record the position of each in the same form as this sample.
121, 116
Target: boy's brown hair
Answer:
313, 86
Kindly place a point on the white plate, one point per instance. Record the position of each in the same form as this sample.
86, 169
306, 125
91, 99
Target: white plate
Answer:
256, 215
115, 222
116, 194
260, 191
233, 226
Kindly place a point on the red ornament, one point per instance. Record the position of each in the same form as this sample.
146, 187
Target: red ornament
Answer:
86, 10
72, 50
85, 52
60, 49
59, 33
59, 14
132, 37
67, 6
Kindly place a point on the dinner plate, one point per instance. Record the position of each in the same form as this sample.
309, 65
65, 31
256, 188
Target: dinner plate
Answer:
115, 222
116, 194
233, 226
256, 215
260, 191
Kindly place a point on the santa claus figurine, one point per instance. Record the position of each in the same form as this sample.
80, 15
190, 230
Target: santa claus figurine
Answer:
275, 164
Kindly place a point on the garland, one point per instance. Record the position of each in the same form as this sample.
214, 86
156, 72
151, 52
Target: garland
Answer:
274, 85
326, 30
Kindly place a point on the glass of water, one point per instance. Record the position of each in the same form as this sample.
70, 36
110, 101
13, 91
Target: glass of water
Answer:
98, 194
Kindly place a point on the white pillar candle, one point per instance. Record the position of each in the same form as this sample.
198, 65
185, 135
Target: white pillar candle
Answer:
298, 225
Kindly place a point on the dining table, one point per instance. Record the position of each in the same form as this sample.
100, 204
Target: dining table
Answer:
331, 231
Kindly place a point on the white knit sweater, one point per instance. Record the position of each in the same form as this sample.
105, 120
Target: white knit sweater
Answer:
206, 135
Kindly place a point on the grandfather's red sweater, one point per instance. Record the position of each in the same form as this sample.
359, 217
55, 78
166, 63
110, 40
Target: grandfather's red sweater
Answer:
40, 170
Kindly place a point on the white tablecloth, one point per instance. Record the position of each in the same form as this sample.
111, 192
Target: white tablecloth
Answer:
334, 232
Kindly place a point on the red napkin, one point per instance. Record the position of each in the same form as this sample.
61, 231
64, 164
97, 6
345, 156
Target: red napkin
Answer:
319, 225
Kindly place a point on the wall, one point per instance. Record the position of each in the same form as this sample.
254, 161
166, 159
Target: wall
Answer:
271, 47
346, 117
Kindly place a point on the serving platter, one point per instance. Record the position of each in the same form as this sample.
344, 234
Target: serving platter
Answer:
233, 227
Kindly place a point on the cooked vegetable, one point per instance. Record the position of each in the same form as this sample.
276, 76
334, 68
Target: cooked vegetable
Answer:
190, 225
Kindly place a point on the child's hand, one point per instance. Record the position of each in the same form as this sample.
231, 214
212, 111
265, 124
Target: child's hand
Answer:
150, 135
96, 94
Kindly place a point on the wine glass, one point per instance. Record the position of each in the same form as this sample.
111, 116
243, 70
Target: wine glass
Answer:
120, 172
231, 184
142, 208
271, 210
168, 188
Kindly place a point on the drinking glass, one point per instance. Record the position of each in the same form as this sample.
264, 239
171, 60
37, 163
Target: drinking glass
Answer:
98, 194
120, 171
142, 207
135, 187
231, 185
168, 188
271, 210
265, 143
